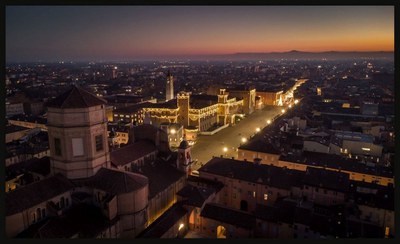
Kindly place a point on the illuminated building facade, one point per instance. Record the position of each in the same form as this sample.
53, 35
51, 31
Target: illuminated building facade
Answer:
199, 111
249, 98
272, 97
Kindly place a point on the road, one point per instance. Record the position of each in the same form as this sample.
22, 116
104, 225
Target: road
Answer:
231, 137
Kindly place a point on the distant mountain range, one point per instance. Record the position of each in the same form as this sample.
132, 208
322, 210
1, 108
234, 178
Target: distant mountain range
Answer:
294, 54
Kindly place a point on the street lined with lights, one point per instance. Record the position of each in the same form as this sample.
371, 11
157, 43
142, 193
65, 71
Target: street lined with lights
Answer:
225, 142
232, 137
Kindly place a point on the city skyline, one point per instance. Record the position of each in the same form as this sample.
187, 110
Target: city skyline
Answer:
80, 33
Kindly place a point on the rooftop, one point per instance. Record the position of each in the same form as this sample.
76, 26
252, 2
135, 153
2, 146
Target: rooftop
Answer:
327, 179
84, 220
160, 176
337, 162
248, 171
195, 196
76, 97
131, 152
35, 193
37, 165
118, 182
14, 128
171, 104
133, 108
29, 118
260, 146
228, 215
164, 222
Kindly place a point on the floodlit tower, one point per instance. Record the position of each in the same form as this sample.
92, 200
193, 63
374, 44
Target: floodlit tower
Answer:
184, 160
183, 105
169, 93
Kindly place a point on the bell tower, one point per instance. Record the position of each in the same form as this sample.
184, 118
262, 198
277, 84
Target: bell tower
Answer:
184, 160
169, 92
223, 108
183, 105
77, 128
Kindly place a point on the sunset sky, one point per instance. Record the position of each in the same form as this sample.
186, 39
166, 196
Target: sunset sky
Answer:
52, 33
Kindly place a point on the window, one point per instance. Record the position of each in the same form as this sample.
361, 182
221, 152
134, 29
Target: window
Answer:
77, 147
57, 146
254, 194
99, 143
265, 196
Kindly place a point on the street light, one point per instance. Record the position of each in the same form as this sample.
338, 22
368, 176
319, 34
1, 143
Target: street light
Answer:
269, 121
258, 129
296, 101
244, 139
173, 131
290, 105
283, 110
225, 149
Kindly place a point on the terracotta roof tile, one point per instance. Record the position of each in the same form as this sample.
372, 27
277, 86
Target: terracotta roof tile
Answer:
76, 97
131, 152
115, 181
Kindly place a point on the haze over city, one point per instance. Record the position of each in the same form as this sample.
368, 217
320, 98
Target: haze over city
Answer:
82, 33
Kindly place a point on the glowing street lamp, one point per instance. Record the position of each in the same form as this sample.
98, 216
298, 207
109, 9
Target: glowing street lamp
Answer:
283, 110
225, 149
258, 129
244, 139
290, 105
173, 131
269, 121
296, 101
